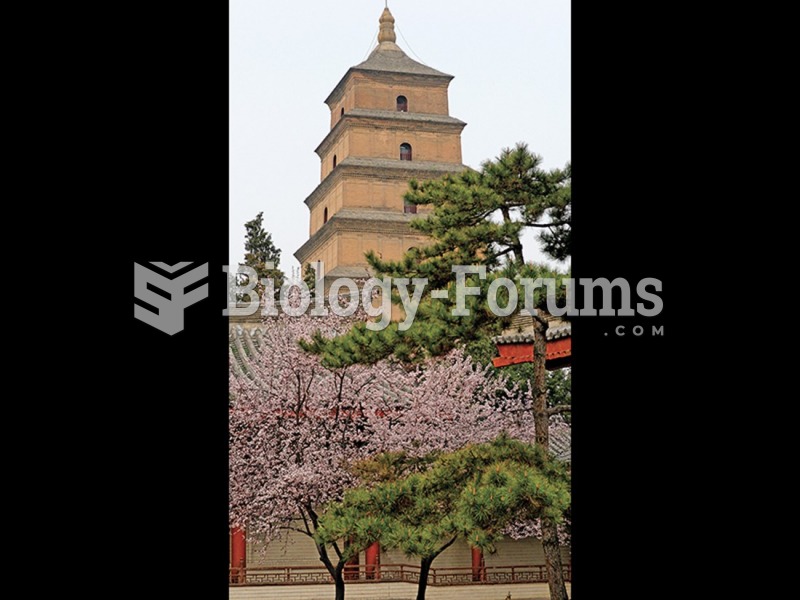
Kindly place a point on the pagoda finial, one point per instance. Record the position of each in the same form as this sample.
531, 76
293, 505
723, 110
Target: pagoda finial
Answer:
386, 33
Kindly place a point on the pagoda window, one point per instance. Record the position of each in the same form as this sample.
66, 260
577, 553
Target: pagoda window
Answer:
325, 215
405, 151
402, 104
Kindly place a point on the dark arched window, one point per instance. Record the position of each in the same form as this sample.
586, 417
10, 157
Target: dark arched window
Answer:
343, 111
334, 161
409, 207
325, 215
405, 151
402, 104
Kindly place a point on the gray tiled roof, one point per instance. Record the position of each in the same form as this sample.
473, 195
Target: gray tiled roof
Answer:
516, 338
389, 57
561, 444
393, 163
371, 214
562, 330
403, 116
345, 271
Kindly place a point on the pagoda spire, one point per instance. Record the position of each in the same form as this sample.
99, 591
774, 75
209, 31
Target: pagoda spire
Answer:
386, 33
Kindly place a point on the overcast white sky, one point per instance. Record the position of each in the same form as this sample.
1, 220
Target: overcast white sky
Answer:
510, 58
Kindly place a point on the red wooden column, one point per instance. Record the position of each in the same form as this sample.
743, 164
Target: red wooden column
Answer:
238, 555
372, 561
478, 565
351, 566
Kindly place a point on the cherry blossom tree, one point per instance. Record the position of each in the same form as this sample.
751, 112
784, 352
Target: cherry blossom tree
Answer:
449, 402
295, 426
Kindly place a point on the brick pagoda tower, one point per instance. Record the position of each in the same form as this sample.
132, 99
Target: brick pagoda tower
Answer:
390, 123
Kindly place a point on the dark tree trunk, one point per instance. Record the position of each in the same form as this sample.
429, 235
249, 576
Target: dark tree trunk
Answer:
424, 569
516, 244
338, 582
334, 570
552, 555
552, 552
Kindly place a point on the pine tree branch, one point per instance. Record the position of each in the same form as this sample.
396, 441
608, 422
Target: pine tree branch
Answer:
338, 551
508, 250
555, 224
445, 547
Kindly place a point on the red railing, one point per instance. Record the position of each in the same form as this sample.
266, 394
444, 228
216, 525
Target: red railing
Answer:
305, 575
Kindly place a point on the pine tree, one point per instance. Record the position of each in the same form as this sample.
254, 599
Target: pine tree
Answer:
260, 250
557, 237
477, 218
473, 493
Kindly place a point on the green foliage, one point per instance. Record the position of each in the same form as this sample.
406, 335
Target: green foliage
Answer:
310, 279
259, 250
473, 493
477, 218
391, 466
436, 330
557, 238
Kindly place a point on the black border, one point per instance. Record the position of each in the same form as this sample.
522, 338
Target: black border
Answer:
637, 439
157, 499
157, 456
